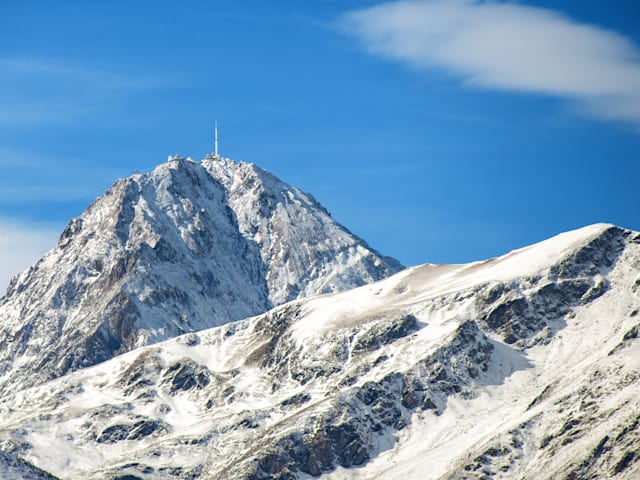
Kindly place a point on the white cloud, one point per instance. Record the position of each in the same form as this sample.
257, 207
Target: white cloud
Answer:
21, 246
508, 46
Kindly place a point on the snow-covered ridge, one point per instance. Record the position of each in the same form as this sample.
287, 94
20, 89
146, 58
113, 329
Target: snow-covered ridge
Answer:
525, 366
424, 282
185, 247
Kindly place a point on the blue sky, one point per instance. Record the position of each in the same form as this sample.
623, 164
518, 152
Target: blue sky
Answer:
439, 131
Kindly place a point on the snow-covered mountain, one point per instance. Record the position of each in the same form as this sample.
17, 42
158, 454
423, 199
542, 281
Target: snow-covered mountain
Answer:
524, 366
185, 247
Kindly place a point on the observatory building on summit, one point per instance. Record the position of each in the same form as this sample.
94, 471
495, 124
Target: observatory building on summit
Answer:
209, 156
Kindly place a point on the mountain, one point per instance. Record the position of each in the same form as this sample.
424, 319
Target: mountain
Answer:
524, 366
183, 248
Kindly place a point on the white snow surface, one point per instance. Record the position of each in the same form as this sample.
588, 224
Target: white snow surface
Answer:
524, 366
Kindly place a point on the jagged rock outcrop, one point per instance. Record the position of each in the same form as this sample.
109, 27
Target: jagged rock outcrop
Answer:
13, 467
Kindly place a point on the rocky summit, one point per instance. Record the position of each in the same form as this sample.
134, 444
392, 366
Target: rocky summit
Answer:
524, 366
186, 247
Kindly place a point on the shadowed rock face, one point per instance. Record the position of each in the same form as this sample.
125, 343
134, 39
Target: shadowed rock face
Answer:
577, 279
185, 247
344, 435
185, 375
385, 333
14, 467
138, 429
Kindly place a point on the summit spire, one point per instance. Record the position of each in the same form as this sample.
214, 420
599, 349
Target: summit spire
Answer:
215, 142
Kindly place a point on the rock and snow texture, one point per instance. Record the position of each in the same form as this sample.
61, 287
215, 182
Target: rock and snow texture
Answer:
306, 252
13, 467
185, 247
525, 366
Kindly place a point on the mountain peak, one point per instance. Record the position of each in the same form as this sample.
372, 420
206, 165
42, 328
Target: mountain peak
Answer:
184, 247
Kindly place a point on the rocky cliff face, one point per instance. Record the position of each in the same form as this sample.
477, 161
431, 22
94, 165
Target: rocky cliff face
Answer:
524, 366
305, 252
185, 247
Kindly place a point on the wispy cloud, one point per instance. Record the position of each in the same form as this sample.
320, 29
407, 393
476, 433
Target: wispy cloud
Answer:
21, 245
35, 91
508, 46
13, 113
97, 78
29, 177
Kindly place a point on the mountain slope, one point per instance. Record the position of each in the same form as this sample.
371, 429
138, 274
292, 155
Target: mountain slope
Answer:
169, 252
524, 366
292, 229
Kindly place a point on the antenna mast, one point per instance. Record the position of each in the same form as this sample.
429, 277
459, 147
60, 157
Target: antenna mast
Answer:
215, 144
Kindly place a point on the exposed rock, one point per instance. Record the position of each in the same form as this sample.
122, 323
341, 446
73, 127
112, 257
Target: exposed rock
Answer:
131, 431
13, 467
383, 333
186, 374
